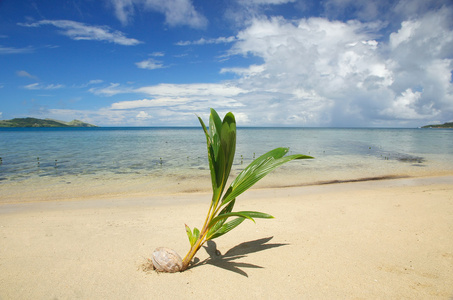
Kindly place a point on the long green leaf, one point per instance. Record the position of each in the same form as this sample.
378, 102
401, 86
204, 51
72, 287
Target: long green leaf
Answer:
215, 127
227, 150
221, 144
225, 228
196, 234
211, 155
226, 209
257, 163
259, 168
217, 231
243, 214
256, 214
228, 215
190, 236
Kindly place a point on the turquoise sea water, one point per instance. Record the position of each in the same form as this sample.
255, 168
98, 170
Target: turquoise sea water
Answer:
341, 153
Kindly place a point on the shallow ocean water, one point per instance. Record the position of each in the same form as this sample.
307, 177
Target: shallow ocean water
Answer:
166, 157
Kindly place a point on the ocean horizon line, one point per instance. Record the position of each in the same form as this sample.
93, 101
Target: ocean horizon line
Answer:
197, 127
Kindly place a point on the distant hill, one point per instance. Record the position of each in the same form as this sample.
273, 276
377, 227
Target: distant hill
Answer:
445, 125
33, 122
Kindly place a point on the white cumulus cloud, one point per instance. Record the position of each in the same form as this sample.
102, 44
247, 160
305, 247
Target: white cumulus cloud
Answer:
321, 72
177, 103
177, 12
142, 115
146, 103
111, 90
150, 64
187, 90
404, 106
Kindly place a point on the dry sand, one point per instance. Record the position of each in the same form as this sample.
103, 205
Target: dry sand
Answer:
389, 239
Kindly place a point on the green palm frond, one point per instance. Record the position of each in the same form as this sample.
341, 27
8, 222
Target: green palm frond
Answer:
221, 146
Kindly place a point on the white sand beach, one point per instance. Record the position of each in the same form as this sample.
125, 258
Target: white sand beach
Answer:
387, 239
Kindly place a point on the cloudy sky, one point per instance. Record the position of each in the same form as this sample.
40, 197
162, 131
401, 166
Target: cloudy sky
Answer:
367, 63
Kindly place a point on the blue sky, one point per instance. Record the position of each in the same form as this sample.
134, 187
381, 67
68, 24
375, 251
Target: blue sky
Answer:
368, 63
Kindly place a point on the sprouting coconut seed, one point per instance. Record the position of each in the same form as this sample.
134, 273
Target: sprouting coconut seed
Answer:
166, 260
221, 144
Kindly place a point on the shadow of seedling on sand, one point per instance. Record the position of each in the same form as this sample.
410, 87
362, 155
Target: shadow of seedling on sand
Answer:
228, 261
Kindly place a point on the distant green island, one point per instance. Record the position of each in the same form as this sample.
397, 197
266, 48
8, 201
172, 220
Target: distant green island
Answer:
33, 122
445, 125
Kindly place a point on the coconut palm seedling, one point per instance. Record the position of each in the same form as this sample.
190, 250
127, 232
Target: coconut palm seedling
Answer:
221, 143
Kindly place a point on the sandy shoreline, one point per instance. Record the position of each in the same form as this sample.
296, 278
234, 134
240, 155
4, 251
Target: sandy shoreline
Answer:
388, 239
81, 188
